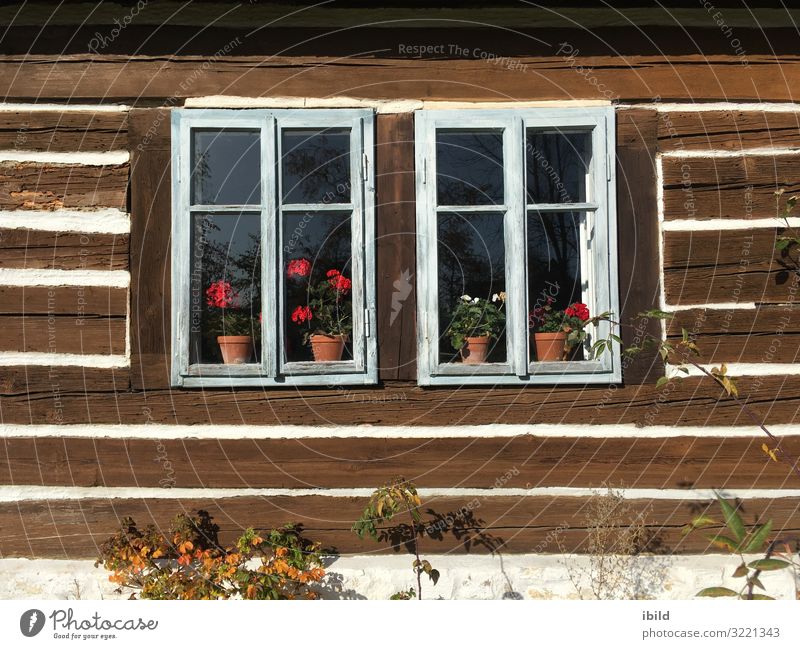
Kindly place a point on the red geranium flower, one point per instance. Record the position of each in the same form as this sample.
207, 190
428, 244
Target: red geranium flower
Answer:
578, 310
298, 268
221, 295
301, 314
339, 282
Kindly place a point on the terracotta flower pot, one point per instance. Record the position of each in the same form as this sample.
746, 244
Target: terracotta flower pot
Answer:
475, 349
327, 348
235, 350
550, 346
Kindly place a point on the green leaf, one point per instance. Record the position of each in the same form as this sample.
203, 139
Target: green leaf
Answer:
733, 520
759, 596
782, 244
723, 542
768, 564
662, 381
717, 591
759, 538
741, 571
434, 575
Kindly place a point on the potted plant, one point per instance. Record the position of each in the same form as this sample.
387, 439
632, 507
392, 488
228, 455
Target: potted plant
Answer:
328, 316
557, 333
474, 322
234, 323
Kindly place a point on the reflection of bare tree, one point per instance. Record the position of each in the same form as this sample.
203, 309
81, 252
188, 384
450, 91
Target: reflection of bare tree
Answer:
556, 167
469, 167
554, 255
316, 163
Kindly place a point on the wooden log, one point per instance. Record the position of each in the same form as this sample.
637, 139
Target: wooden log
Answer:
766, 334
719, 266
692, 402
327, 463
45, 186
63, 300
635, 77
728, 130
396, 247
719, 188
55, 380
638, 233
74, 529
151, 223
63, 250
63, 334
26, 130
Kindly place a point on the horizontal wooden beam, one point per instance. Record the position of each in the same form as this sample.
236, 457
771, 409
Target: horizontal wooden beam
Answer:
74, 529
52, 381
736, 187
631, 78
63, 334
693, 401
45, 186
63, 300
516, 462
63, 250
37, 130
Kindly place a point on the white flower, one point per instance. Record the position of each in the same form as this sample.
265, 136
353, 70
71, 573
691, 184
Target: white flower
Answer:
495, 297
476, 300
466, 298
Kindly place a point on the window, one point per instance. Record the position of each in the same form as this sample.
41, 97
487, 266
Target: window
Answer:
273, 248
515, 213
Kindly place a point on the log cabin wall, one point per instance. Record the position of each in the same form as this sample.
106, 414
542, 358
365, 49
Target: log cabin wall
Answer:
92, 431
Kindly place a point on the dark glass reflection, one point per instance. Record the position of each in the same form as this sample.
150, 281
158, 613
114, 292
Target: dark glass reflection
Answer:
324, 240
554, 262
557, 164
226, 167
472, 261
225, 248
316, 165
469, 167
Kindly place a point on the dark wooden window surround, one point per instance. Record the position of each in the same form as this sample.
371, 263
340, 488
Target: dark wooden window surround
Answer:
150, 204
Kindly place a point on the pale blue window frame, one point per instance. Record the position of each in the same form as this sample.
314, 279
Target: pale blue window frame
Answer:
598, 254
274, 369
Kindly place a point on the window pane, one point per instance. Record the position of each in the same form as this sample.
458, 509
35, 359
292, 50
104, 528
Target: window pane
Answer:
469, 167
557, 165
317, 276
472, 263
226, 167
225, 284
554, 262
316, 165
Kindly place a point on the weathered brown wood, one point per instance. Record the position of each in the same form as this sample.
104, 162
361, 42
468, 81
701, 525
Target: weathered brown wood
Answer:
33, 379
519, 462
738, 187
766, 334
26, 130
74, 529
728, 130
151, 222
64, 334
116, 77
63, 300
727, 266
63, 250
638, 239
396, 246
693, 402
45, 186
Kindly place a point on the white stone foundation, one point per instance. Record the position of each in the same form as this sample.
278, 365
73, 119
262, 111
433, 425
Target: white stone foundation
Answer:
462, 577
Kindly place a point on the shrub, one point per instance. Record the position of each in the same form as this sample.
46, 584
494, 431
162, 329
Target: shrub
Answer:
189, 563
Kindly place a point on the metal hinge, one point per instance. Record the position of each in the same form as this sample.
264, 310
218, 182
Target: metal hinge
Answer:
424, 171
366, 323
608, 168
364, 167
